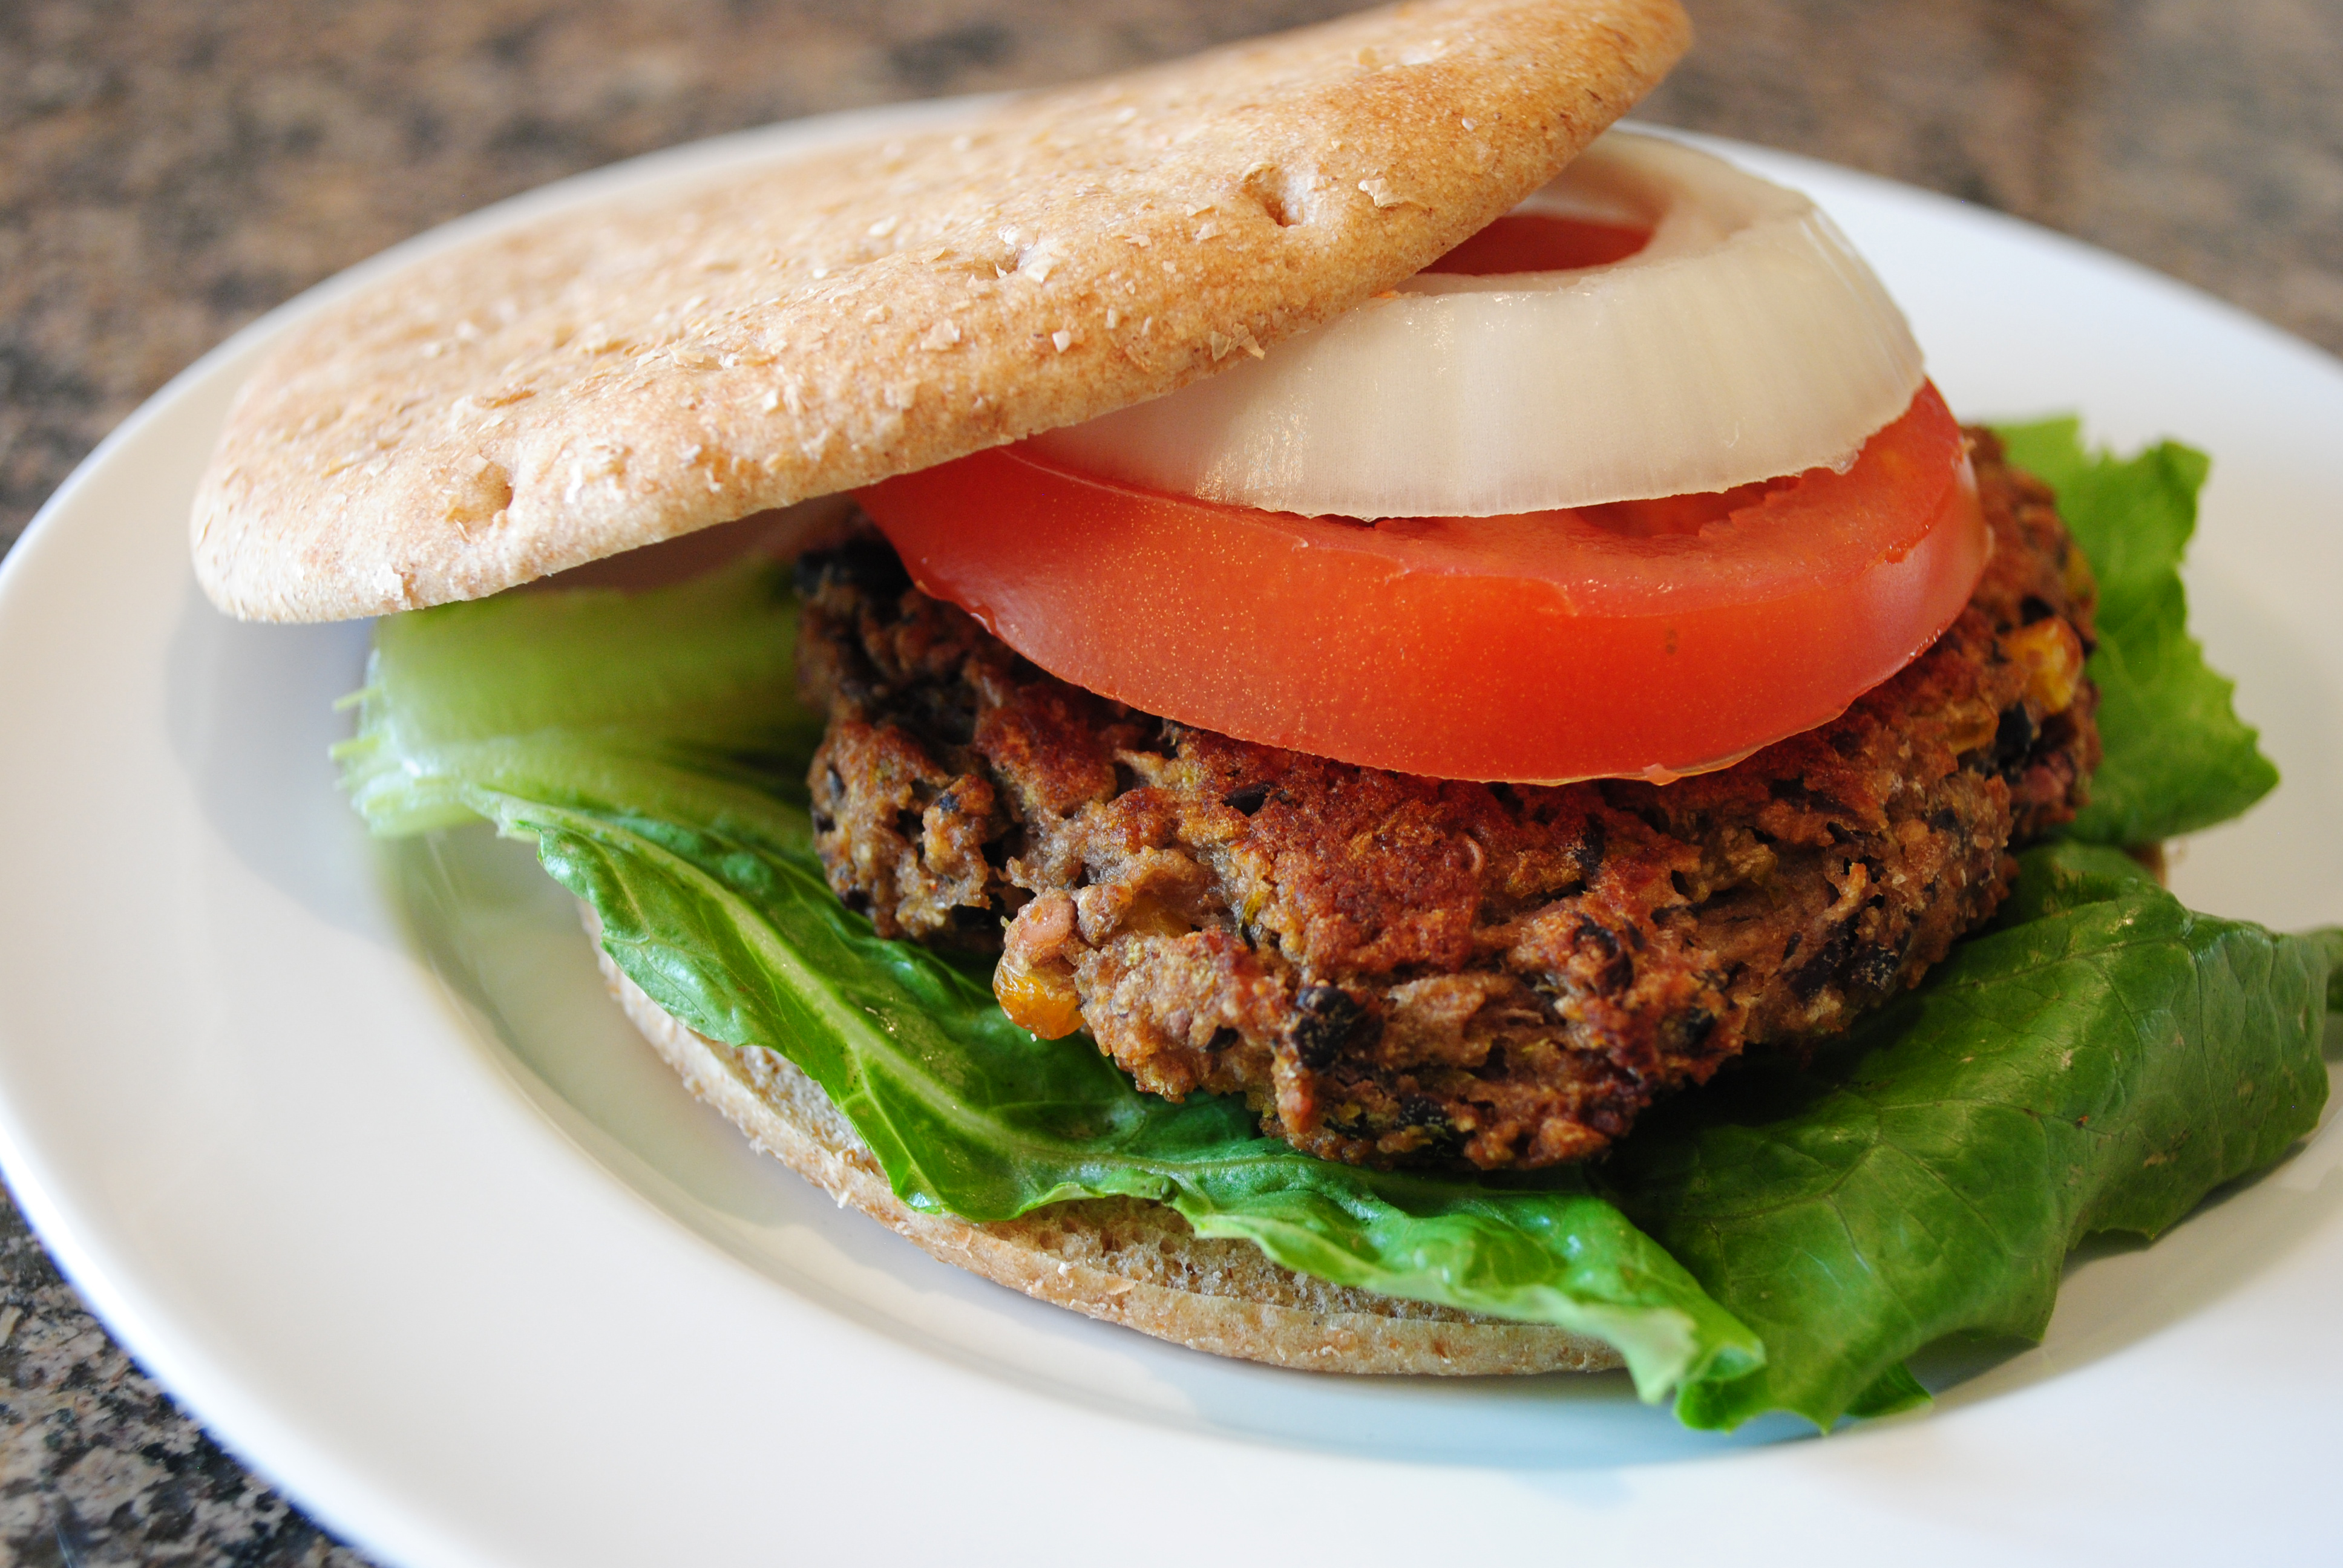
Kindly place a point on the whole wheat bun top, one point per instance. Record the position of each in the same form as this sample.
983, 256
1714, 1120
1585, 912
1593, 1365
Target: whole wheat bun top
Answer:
617, 376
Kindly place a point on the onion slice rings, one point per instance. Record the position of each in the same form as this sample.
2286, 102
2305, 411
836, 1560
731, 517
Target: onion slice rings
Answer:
1746, 341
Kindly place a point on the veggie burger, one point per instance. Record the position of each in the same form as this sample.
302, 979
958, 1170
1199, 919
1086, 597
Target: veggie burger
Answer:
1421, 632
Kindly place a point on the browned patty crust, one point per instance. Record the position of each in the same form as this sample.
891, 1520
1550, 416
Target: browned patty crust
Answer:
1395, 967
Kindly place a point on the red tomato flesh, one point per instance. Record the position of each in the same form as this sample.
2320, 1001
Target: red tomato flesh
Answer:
1542, 242
1645, 638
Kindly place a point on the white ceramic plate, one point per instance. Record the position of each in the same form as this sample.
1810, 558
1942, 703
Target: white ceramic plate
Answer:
446, 1252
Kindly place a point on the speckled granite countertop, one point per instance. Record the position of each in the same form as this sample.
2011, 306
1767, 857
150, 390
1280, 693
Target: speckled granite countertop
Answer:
168, 171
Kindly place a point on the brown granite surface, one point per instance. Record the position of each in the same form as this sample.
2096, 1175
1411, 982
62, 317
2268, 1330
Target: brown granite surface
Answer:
168, 170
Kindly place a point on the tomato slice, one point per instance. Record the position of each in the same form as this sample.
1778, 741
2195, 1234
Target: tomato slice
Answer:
1542, 242
1647, 638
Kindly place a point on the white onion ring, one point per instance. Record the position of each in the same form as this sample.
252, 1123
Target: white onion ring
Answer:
1746, 340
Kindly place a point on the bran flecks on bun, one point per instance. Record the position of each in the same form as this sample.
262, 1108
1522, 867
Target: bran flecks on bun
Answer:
641, 369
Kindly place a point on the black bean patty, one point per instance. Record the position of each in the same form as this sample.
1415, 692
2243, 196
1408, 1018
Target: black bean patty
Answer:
1397, 969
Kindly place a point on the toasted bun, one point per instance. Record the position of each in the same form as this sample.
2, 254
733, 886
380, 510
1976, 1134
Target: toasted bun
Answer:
625, 374
1121, 1259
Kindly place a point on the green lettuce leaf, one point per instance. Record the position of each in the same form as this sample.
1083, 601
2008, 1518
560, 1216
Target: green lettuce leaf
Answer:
2099, 1060
711, 903
679, 704
2178, 756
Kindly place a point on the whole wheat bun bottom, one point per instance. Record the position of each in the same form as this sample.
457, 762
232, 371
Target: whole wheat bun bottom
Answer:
1119, 1260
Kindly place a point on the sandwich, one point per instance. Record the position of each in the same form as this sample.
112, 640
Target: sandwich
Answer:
1312, 849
